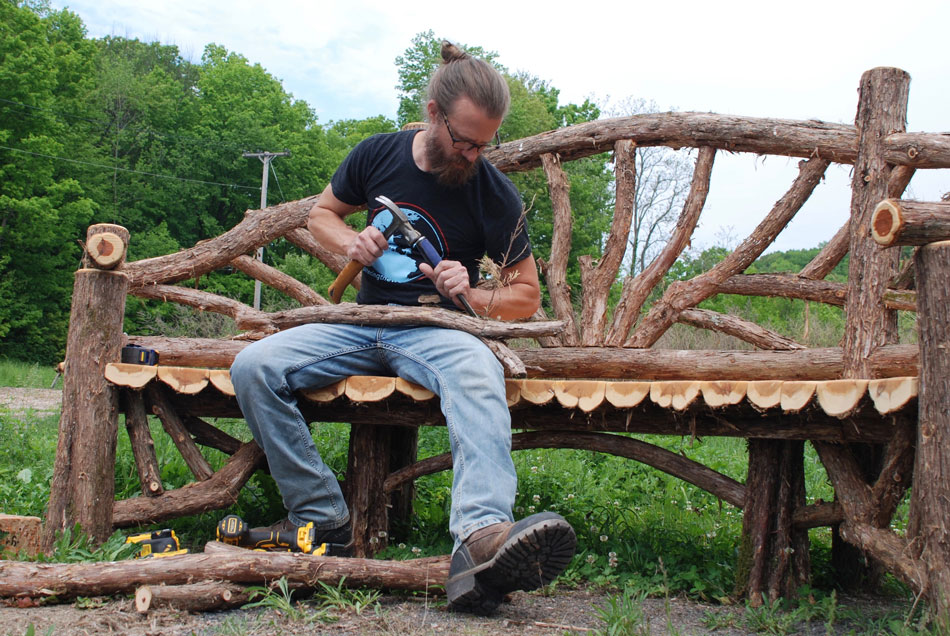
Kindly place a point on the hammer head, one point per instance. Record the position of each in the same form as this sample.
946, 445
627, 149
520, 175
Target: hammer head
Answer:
400, 222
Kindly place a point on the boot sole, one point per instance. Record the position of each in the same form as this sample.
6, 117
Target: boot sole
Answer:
528, 560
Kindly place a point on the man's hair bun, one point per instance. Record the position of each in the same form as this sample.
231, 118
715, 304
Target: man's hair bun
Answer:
452, 53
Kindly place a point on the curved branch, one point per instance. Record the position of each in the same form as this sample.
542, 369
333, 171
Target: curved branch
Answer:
726, 488
200, 300
258, 228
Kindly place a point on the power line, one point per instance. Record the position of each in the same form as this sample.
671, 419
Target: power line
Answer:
148, 174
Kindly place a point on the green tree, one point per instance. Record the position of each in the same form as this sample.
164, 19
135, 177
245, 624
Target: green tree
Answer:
44, 69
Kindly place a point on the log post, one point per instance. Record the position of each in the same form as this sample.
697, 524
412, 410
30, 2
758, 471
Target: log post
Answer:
882, 110
930, 503
366, 471
773, 555
143, 446
83, 485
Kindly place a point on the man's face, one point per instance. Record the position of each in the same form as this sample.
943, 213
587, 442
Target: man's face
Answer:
449, 166
454, 142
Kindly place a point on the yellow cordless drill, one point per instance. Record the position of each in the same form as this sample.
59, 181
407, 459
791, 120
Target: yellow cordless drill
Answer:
235, 531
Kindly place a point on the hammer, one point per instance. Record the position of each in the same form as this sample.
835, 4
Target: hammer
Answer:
417, 242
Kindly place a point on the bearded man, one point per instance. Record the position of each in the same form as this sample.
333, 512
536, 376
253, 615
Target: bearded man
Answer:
467, 209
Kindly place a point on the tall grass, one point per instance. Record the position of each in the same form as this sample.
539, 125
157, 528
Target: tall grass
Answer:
25, 374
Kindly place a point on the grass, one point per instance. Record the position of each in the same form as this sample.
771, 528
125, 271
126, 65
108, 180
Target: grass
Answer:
641, 533
26, 375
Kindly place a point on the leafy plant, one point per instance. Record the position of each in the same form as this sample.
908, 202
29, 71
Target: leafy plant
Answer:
624, 615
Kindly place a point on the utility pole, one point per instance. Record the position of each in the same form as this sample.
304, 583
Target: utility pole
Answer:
266, 158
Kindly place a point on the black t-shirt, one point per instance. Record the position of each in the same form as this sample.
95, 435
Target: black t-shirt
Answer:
484, 216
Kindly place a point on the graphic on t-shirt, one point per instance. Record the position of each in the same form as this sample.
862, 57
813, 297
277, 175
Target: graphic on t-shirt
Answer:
399, 264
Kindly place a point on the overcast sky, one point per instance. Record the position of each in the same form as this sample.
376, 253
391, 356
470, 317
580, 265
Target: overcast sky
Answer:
796, 60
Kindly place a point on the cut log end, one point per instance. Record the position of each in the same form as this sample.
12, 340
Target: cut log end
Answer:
886, 222
106, 250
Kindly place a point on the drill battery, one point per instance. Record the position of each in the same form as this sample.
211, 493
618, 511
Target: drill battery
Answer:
233, 530
160, 543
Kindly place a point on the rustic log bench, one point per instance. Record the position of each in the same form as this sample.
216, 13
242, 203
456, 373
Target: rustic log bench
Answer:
591, 376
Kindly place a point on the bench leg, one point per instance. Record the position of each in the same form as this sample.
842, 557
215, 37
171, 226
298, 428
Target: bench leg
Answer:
366, 470
773, 557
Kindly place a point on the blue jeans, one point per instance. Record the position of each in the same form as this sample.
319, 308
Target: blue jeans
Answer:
454, 365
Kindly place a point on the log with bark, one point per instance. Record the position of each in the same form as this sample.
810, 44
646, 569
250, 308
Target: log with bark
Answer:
272, 277
897, 222
682, 295
69, 580
219, 491
613, 362
555, 269
596, 280
759, 135
83, 480
930, 505
635, 291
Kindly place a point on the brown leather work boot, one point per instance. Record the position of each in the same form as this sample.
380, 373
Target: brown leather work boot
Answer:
505, 557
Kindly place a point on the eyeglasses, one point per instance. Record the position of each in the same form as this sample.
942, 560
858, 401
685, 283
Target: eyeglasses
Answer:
465, 145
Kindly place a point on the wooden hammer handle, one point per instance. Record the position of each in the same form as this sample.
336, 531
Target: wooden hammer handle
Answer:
343, 279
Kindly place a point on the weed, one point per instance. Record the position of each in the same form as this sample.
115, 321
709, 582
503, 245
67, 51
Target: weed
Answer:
624, 615
337, 597
281, 600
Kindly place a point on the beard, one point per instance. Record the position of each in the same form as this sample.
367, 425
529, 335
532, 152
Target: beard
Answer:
451, 171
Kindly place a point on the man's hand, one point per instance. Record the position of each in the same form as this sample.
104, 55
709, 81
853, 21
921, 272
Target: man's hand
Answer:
367, 246
450, 278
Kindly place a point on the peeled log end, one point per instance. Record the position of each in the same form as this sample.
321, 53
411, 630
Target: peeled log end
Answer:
887, 222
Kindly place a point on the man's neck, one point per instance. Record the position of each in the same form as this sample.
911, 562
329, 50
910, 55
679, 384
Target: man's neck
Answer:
419, 151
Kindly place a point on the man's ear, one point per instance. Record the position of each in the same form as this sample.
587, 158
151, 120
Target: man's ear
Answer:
432, 110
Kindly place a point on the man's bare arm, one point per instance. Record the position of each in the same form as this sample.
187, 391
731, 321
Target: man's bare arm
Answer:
518, 297
328, 228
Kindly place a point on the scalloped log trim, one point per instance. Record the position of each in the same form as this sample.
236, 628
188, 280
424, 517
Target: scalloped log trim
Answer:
837, 398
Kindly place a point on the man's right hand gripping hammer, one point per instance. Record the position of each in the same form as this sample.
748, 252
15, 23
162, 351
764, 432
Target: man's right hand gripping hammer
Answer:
235, 531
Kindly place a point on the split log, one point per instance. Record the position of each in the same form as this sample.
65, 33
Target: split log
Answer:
555, 271
737, 327
193, 597
143, 447
220, 491
69, 580
83, 482
259, 227
272, 277
173, 425
636, 291
387, 315
683, 295
930, 504
897, 222
612, 362
596, 280
726, 488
